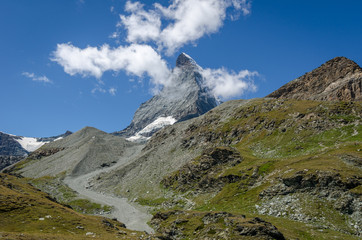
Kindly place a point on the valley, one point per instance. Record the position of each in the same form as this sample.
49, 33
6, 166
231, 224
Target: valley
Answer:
134, 217
287, 166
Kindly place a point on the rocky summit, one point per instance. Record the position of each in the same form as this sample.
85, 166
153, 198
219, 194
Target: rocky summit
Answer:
186, 97
337, 79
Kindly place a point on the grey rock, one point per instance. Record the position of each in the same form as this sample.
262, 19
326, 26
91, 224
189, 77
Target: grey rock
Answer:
82, 152
10, 147
338, 79
186, 98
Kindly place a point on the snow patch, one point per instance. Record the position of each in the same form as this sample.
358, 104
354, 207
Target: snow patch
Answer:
29, 144
58, 139
137, 137
157, 124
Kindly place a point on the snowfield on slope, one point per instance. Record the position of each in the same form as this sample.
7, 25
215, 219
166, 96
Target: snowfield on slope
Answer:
157, 124
29, 144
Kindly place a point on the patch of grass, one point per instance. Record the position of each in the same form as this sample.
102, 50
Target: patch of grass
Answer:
86, 206
265, 168
67, 196
298, 230
357, 190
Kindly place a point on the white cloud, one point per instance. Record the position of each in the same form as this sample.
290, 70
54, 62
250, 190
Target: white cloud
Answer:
168, 28
192, 19
112, 91
98, 88
92, 61
142, 26
186, 21
227, 84
36, 78
114, 35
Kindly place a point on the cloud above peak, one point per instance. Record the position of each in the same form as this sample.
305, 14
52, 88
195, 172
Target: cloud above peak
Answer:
152, 32
135, 59
180, 23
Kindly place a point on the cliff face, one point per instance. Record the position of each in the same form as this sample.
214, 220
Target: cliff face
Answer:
185, 98
338, 79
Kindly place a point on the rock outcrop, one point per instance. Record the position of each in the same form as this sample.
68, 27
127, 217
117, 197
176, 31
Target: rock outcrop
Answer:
337, 80
174, 225
198, 174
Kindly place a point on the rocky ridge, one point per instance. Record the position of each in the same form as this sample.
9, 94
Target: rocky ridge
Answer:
339, 79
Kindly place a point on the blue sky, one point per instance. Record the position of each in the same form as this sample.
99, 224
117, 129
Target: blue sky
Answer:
40, 96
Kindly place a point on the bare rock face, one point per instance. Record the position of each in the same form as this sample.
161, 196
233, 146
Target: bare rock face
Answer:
185, 98
10, 147
338, 79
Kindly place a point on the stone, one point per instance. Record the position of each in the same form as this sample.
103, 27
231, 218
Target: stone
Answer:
337, 80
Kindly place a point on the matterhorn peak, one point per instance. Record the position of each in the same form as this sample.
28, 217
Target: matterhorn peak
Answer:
184, 60
184, 99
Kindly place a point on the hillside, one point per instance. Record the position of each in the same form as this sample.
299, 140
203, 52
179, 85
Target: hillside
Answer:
291, 160
26, 213
15, 148
294, 163
82, 152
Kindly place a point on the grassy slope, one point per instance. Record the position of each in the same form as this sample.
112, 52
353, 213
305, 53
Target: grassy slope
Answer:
278, 138
27, 213
65, 195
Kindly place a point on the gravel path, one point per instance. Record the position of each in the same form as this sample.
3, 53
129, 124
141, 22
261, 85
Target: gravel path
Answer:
135, 217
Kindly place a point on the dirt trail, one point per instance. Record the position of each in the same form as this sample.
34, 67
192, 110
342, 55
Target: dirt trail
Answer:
134, 216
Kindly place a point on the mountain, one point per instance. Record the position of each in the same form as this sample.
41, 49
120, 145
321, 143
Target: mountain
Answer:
14, 148
185, 98
268, 168
80, 153
337, 79
294, 163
